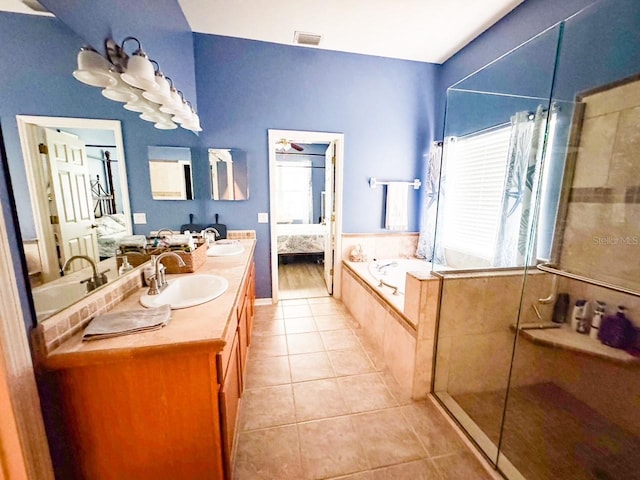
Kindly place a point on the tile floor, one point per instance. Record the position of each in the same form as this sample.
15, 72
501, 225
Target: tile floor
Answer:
315, 407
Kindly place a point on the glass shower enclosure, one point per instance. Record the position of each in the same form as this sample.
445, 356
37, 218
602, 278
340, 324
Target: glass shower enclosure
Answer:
539, 210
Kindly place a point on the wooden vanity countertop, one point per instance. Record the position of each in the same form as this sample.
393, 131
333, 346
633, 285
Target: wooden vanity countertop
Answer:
190, 329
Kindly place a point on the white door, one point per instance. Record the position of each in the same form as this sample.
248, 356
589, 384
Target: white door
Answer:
329, 214
71, 204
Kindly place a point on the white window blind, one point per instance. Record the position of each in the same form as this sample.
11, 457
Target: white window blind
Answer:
475, 175
295, 194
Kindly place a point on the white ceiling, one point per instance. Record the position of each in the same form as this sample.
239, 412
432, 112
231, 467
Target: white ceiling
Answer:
18, 7
422, 30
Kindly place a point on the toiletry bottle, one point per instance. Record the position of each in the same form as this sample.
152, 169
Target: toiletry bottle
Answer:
560, 308
149, 270
579, 310
617, 331
125, 267
596, 320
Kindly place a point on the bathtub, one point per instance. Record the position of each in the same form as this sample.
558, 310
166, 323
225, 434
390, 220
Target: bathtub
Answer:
396, 320
393, 271
50, 298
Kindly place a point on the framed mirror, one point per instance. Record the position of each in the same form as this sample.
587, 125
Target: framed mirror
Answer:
170, 172
77, 203
229, 174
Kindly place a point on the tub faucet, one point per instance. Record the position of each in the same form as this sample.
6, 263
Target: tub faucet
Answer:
157, 282
96, 280
385, 265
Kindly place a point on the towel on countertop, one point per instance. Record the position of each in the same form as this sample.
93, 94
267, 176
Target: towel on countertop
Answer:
396, 217
125, 323
138, 241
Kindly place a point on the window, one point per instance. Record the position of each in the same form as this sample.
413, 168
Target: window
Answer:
475, 174
295, 195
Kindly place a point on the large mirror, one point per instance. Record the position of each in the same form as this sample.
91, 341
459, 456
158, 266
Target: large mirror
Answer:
229, 174
77, 190
170, 172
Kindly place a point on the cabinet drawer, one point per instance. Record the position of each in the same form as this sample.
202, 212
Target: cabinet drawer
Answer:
229, 399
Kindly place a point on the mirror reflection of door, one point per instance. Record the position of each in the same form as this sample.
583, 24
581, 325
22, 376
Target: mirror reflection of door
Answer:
304, 219
70, 204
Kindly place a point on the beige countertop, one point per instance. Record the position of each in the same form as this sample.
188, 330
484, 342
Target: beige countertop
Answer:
200, 327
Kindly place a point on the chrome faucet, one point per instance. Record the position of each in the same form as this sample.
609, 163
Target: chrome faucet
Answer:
210, 230
157, 282
96, 280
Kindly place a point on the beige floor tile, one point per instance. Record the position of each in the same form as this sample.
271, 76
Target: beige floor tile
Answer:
267, 407
420, 470
310, 366
304, 343
318, 399
330, 447
387, 438
300, 325
266, 371
296, 311
257, 459
366, 392
268, 312
356, 476
293, 301
350, 362
324, 299
268, 328
272, 346
433, 430
401, 393
343, 339
320, 309
461, 465
331, 322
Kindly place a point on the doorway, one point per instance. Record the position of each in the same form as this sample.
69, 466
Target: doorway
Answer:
305, 170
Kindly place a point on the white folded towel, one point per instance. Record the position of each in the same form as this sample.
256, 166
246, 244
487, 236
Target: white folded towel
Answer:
139, 241
396, 217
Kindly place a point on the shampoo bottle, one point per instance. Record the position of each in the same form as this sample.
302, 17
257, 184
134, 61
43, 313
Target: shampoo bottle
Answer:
617, 331
578, 313
560, 308
596, 321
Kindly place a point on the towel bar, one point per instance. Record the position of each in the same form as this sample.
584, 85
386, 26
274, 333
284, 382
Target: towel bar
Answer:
373, 183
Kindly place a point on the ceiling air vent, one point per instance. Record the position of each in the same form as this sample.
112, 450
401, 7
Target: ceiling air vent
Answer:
302, 38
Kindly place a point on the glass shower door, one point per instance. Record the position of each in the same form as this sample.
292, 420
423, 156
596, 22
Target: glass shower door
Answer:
496, 124
573, 407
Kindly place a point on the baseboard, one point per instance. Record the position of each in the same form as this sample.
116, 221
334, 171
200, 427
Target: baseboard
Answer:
261, 302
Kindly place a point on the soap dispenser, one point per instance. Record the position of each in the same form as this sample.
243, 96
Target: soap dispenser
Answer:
125, 267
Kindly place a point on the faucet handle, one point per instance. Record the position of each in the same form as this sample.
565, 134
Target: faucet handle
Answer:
153, 285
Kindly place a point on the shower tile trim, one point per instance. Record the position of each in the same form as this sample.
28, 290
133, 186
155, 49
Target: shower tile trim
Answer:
627, 195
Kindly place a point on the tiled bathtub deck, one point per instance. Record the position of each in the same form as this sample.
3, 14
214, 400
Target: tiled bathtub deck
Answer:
315, 407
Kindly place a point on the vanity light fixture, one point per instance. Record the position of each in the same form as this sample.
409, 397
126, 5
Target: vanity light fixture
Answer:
93, 69
134, 81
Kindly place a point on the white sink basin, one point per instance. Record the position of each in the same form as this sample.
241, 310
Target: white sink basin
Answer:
222, 249
187, 291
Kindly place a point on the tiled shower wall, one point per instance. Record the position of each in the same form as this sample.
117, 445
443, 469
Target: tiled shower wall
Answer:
602, 235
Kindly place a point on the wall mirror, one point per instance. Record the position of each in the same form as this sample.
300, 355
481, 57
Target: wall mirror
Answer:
170, 173
229, 174
77, 203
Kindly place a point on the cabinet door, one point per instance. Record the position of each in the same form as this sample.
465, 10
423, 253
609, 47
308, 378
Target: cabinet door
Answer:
229, 397
250, 301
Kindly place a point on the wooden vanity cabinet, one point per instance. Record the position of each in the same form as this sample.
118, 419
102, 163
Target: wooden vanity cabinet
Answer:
233, 363
153, 413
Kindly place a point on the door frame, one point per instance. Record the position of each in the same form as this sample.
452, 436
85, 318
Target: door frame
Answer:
28, 126
298, 136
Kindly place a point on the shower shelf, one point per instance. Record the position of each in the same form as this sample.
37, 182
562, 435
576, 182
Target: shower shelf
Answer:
549, 268
567, 339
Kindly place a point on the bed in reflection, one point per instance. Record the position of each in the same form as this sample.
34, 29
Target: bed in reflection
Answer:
300, 239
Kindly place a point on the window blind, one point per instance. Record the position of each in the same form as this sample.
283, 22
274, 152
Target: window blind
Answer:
475, 175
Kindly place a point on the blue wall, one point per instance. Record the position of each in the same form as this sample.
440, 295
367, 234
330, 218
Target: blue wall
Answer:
160, 26
384, 107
